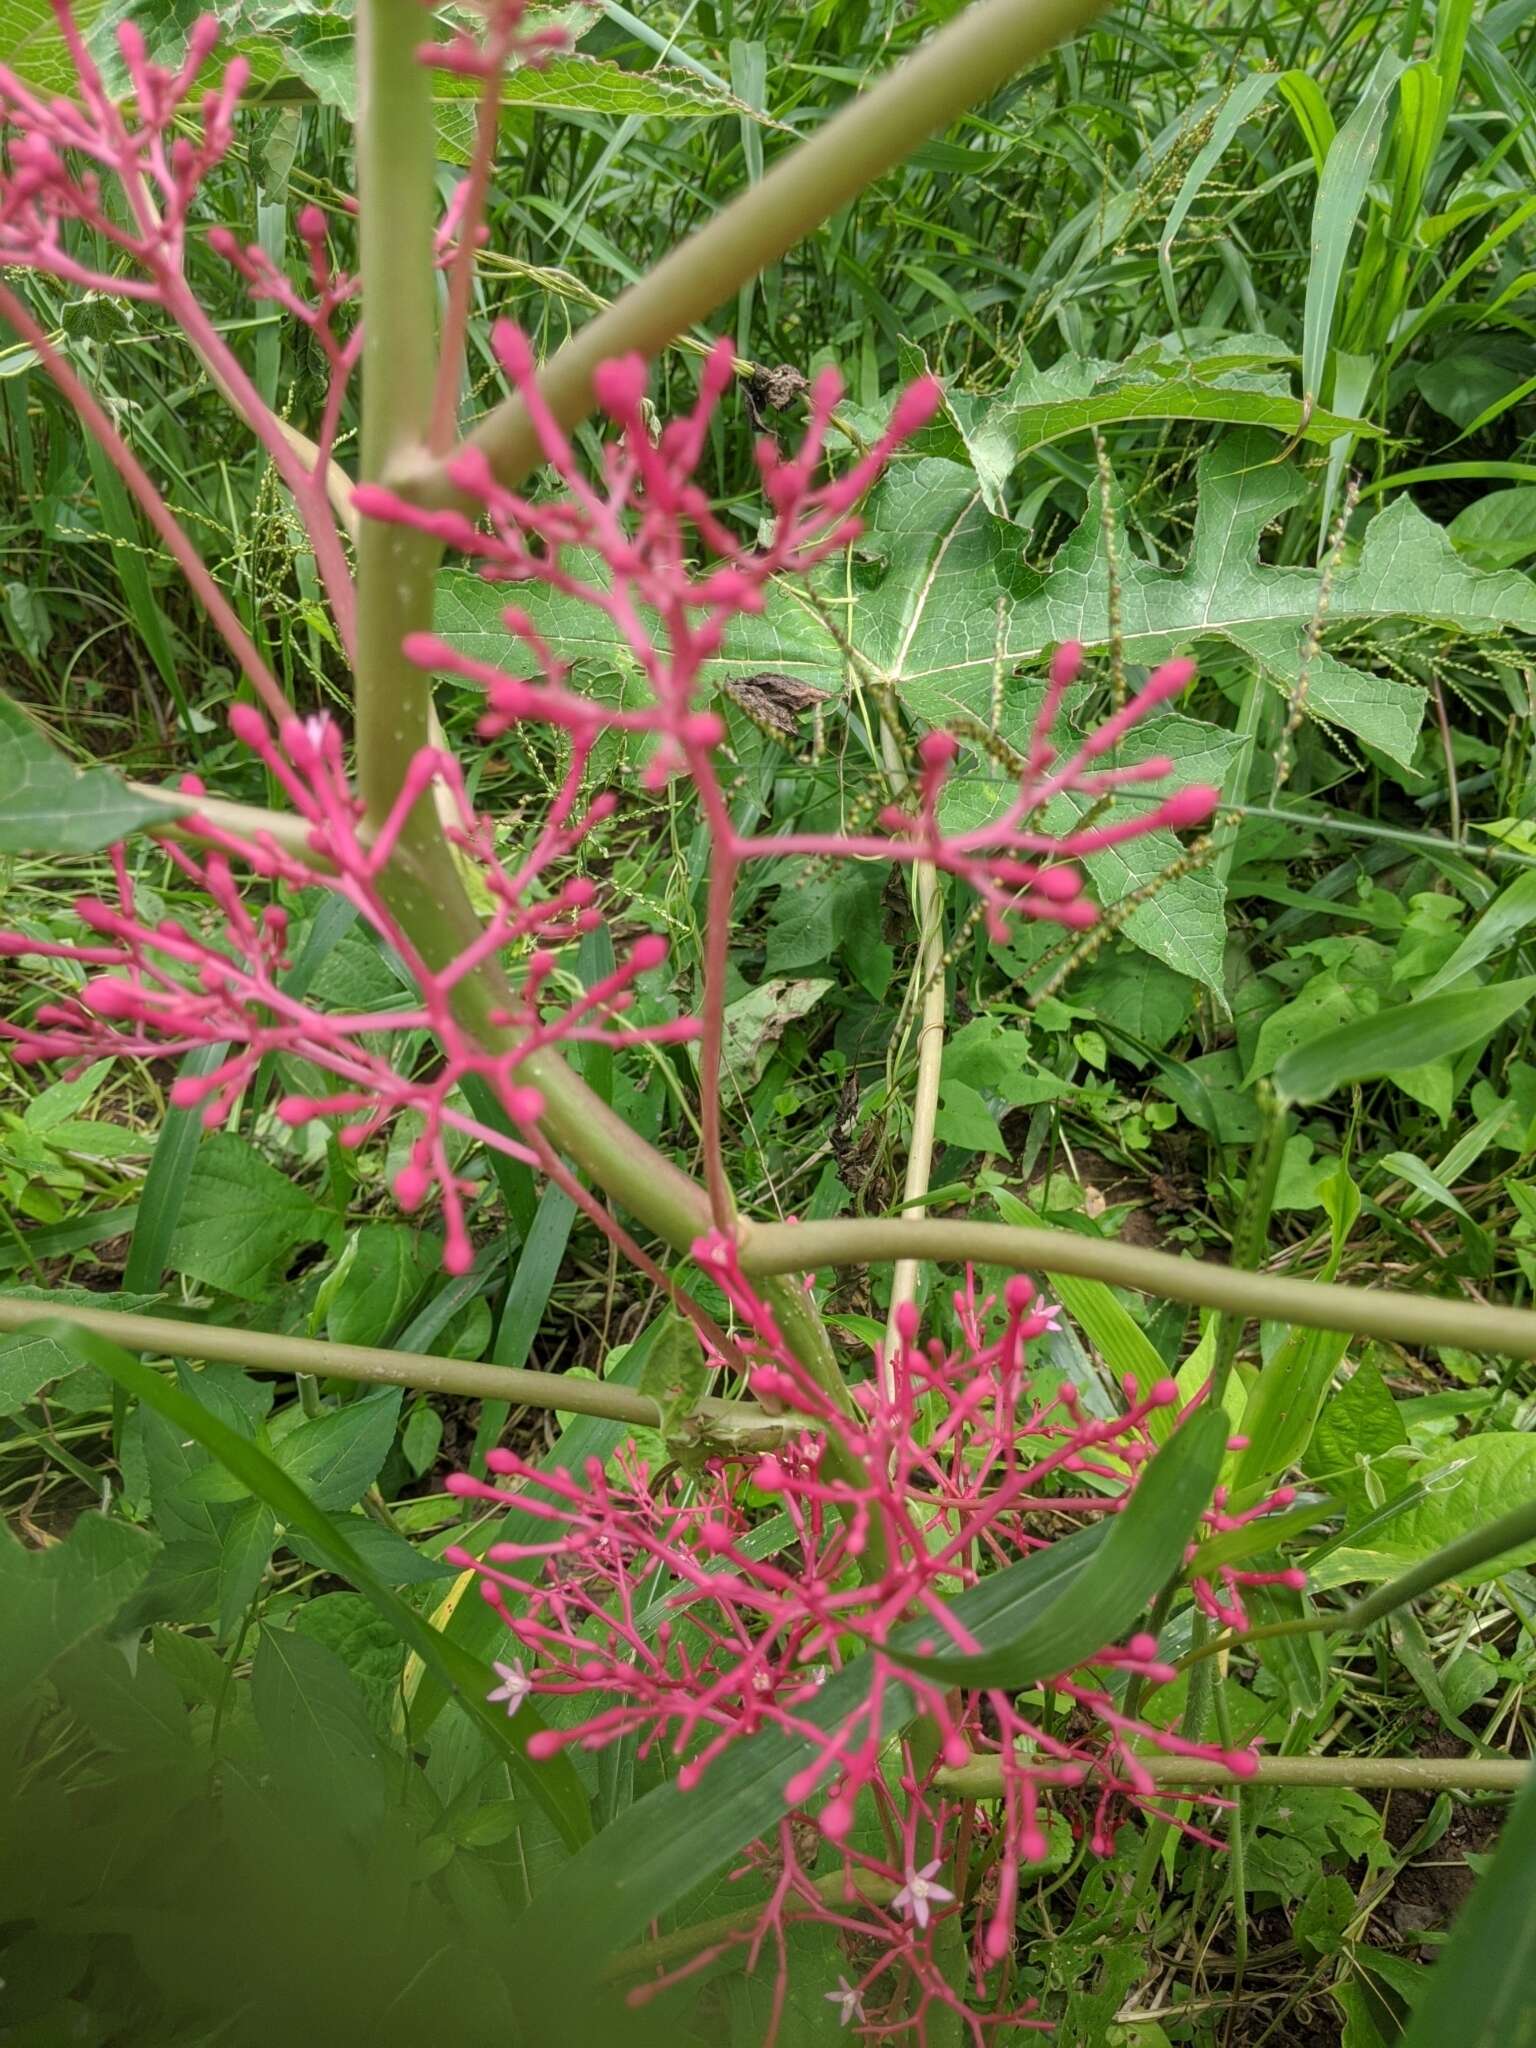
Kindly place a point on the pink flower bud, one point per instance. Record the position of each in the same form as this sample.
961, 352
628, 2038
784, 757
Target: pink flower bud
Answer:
915, 407
1066, 663
374, 502
719, 369
297, 1109
937, 749
109, 998
837, 1818
702, 729
523, 1105
248, 725
512, 350
311, 224
1163, 1394
1168, 681
1190, 806
411, 1185
1059, 884
648, 952
619, 385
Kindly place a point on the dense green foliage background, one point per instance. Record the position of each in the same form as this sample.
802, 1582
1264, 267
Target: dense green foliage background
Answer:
1235, 309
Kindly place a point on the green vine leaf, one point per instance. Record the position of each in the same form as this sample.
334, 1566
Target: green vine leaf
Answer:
48, 806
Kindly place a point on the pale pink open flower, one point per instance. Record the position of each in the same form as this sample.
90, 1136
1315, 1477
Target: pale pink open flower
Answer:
850, 2006
514, 1688
919, 1895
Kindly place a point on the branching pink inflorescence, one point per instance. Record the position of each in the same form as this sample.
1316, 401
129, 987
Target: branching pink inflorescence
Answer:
57, 151
644, 547
505, 37
647, 1604
651, 1603
159, 988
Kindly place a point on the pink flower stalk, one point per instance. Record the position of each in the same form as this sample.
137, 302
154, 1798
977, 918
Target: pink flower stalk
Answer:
332, 288
59, 162
504, 38
650, 1603
56, 151
644, 547
161, 988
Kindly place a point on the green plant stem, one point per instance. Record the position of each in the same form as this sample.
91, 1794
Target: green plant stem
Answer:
1251, 1234
258, 1351
1507, 1532
249, 821
932, 1015
982, 1778
396, 574
1367, 1312
967, 61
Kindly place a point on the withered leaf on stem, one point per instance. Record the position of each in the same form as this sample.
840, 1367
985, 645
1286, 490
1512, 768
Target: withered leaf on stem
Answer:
764, 390
774, 702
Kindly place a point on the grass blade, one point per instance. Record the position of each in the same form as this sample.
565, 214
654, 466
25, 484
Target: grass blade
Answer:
1056, 1608
1409, 1035
554, 1784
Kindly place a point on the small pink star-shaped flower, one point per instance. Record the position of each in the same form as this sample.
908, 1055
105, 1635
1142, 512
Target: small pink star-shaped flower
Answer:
850, 2006
919, 1894
514, 1688
1052, 1315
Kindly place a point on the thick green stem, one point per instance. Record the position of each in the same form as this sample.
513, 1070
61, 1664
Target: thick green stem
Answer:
396, 574
1367, 1312
982, 1778
259, 1351
396, 164
966, 62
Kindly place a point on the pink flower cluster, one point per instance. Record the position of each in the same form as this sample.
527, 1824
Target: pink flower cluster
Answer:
657, 1605
161, 986
672, 579
55, 152
644, 547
